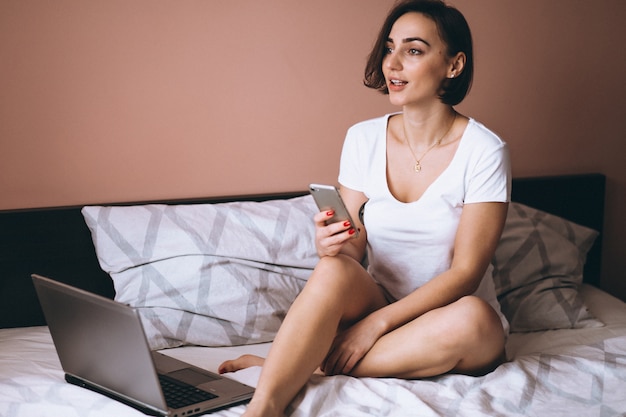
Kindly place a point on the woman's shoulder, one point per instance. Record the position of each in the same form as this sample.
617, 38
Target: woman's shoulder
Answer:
375, 125
482, 134
367, 137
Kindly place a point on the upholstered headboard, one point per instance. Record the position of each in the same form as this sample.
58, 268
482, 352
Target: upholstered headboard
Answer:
578, 198
55, 242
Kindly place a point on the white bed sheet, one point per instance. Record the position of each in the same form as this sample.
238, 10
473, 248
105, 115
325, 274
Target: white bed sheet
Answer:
553, 373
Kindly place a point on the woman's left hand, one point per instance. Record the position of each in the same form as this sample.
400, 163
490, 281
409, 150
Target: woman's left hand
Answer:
349, 347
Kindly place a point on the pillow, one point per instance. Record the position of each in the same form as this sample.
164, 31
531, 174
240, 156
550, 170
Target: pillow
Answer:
538, 267
207, 274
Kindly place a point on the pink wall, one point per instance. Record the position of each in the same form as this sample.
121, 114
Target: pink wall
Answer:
122, 101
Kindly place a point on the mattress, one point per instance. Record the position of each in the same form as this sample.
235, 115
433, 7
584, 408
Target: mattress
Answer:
579, 372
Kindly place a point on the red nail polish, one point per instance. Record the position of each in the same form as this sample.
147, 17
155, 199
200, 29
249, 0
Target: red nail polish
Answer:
351, 231
346, 223
330, 213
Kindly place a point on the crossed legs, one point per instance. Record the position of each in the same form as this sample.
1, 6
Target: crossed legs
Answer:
465, 337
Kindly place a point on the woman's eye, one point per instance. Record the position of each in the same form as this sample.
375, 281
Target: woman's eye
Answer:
414, 51
388, 50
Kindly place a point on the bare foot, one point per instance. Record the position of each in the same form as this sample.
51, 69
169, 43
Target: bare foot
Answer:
242, 362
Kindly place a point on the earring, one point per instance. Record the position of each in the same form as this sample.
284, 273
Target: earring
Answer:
452, 75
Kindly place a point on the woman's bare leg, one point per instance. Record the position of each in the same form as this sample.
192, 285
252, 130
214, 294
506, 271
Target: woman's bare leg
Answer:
339, 291
471, 345
463, 337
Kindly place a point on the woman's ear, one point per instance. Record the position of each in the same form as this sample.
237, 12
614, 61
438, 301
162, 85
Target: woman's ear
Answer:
457, 65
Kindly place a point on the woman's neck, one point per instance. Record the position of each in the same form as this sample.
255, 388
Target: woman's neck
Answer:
423, 129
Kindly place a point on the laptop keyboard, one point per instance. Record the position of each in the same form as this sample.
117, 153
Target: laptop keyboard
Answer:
178, 394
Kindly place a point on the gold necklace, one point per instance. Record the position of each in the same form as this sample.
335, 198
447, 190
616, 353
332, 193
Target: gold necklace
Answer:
418, 166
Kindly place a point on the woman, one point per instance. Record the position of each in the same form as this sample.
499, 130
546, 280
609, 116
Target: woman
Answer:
433, 186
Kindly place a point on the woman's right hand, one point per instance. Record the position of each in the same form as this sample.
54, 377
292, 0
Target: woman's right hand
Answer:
330, 239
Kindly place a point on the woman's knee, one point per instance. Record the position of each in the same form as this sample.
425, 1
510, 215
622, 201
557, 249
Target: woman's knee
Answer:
336, 272
345, 280
473, 322
474, 306
479, 328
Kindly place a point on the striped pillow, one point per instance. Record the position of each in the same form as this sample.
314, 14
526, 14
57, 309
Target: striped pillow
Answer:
207, 274
538, 268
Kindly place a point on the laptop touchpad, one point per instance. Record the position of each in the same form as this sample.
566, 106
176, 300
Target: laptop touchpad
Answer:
191, 376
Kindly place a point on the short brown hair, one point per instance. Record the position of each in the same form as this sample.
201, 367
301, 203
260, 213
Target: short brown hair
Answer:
454, 31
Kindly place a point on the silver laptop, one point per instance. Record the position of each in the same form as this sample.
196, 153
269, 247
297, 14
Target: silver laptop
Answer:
102, 346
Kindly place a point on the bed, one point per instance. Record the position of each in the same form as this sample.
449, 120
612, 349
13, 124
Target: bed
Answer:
213, 278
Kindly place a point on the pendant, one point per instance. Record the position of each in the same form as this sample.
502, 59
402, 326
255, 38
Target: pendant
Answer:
417, 167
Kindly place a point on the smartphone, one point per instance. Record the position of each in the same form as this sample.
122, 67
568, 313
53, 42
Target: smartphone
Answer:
327, 197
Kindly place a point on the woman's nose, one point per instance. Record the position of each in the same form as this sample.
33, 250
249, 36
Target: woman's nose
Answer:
391, 61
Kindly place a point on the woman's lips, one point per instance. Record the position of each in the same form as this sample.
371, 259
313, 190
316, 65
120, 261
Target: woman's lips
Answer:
396, 85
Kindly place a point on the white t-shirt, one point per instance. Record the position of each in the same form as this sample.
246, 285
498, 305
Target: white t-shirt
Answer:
411, 243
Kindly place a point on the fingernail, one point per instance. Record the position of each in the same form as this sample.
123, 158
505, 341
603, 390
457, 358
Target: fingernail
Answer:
330, 213
351, 231
347, 224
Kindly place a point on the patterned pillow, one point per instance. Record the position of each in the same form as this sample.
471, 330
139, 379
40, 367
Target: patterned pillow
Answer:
207, 274
538, 268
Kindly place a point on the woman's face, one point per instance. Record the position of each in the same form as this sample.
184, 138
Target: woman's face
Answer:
416, 61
